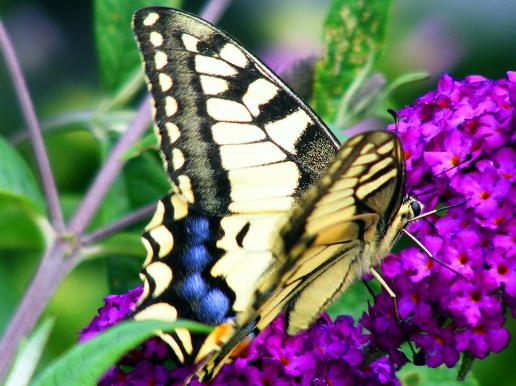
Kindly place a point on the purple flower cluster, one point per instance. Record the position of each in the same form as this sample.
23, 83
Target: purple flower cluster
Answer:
469, 125
329, 353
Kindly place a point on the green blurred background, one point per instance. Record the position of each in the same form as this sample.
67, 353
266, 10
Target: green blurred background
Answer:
55, 44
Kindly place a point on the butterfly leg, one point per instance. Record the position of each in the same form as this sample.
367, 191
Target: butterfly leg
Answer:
391, 293
395, 305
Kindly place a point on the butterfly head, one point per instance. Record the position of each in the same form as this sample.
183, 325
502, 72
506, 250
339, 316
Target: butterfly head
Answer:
410, 209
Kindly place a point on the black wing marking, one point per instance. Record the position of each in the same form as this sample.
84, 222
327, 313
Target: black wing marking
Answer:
343, 217
331, 237
234, 138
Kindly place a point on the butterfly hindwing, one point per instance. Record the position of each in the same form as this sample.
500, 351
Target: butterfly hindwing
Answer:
233, 137
202, 268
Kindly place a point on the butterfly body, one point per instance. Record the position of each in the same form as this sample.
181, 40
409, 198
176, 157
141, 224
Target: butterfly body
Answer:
267, 211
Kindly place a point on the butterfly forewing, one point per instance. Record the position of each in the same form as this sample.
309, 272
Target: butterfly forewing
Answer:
239, 148
233, 137
330, 238
335, 228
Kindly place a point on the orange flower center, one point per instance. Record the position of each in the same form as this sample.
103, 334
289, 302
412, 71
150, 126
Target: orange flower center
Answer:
454, 160
502, 269
407, 154
439, 340
463, 258
484, 195
507, 175
475, 296
498, 220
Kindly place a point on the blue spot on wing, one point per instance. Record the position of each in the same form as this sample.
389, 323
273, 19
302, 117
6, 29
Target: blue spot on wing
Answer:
197, 228
196, 258
193, 287
214, 306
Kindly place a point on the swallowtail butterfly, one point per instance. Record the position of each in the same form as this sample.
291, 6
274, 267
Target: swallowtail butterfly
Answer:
268, 212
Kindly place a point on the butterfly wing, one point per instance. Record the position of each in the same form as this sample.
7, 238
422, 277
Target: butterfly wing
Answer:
332, 236
239, 148
234, 138
202, 268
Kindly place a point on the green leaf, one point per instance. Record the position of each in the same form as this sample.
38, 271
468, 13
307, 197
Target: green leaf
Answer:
149, 142
411, 375
145, 179
118, 54
16, 179
16, 221
126, 244
123, 273
352, 302
466, 364
114, 206
405, 79
125, 254
353, 36
29, 355
85, 363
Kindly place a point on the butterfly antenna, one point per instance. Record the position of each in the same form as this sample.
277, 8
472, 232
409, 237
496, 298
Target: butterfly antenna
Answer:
466, 159
431, 190
463, 161
431, 212
428, 179
430, 255
430, 223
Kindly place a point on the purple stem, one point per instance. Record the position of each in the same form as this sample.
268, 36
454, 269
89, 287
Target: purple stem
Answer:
213, 10
110, 170
45, 282
54, 266
45, 172
122, 223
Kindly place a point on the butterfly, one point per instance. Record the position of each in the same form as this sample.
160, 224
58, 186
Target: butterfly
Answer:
267, 212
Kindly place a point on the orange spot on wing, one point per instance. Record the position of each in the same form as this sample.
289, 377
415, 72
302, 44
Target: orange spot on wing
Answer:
222, 332
241, 349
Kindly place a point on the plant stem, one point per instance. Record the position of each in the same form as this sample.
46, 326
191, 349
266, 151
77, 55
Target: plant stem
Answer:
109, 171
55, 265
214, 9
42, 287
122, 223
38, 145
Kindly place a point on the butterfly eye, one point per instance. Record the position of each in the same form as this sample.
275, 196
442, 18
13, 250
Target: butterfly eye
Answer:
416, 208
